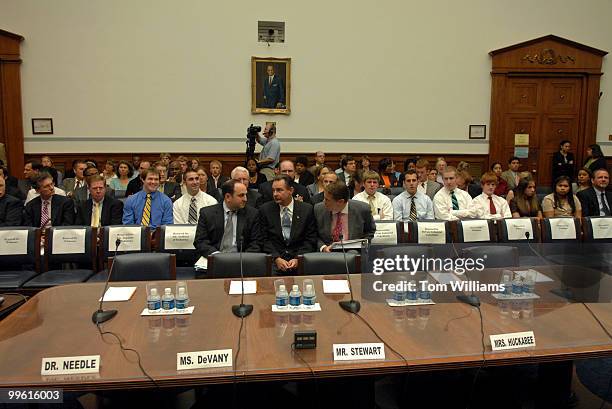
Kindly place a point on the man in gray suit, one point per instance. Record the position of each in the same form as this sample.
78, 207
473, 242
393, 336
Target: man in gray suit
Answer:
426, 186
337, 216
72, 184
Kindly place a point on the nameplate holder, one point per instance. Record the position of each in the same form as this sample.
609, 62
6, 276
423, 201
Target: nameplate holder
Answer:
359, 352
513, 340
217, 358
69, 365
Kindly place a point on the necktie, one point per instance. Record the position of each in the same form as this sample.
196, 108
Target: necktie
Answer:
454, 200
77, 185
413, 212
269, 80
95, 216
193, 211
373, 208
44, 215
492, 208
286, 224
146, 212
423, 185
338, 228
228, 233
604, 206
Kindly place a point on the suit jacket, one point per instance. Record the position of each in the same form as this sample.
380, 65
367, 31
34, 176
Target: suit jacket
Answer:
599, 163
82, 194
360, 222
62, 211
431, 188
265, 190
24, 186
306, 179
10, 211
211, 182
211, 226
112, 212
560, 168
318, 198
509, 178
274, 92
68, 185
134, 186
15, 192
589, 202
303, 238
172, 190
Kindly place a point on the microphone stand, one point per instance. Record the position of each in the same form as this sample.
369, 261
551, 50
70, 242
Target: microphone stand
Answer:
100, 316
243, 309
353, 306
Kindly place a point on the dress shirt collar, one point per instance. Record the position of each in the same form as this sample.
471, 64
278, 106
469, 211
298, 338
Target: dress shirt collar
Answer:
289, 206
345, 210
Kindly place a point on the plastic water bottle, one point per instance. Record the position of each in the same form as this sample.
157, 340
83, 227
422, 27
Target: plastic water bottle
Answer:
182, 299
399, 295
282, 297
295, 296
411, 295
168, 300
425, 294
507, 283
529, 284
153, 301
309, 296
517, 286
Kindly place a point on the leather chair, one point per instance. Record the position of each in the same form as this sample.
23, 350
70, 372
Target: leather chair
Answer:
494, 256
15, 270
227, 265
411, 251
490, 226
143, 267
327, 263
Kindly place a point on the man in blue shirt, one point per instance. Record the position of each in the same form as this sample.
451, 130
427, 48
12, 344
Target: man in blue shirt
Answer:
412, 204
148, 207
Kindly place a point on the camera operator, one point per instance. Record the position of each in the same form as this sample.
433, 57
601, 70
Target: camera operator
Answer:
270, 154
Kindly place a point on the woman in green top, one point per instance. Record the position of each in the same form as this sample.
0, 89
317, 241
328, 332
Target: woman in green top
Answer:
595, 159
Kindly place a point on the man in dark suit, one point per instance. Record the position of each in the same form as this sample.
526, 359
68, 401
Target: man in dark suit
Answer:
300, 193
596, 201
221, 226
135, 184
11, 184
216, 179
169, 188
339, 217
30, 172
349, 167
78, 181
10, 207
302, 175
288, 227
100, 209
273, 90
48, 209
241, 174
82, 193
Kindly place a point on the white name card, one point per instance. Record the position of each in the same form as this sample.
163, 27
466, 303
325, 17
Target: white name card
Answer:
602, 228
70, 365
250, 287
204, 359
359, 352
13, 242
562, 228
180, 237
129, 235
475, 230
69, 241
431, 233
386, 233
514, 340
516, 228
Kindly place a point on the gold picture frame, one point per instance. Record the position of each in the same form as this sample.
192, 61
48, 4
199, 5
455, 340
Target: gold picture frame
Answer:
270, 94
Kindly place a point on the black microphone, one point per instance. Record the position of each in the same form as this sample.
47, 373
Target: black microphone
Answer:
100, 316
471, 299
351, 306
243, 309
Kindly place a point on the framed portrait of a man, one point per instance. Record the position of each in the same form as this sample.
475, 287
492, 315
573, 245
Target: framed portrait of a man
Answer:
270, 85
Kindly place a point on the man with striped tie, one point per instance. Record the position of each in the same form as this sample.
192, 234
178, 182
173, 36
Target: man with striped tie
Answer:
452, 203
412, 204
48, 209
186, 209
149, 207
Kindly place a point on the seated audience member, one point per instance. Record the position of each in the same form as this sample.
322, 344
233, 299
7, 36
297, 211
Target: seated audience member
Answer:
318, 186
319, 162
125, 175
203, 176
47, 208
167, 187
502, 186
100, 209
595, 159
463, 166
241, 175
412, 204
410, 163
221, 225
288, 226
72, 184
341, 169
256, 178
48, 163
302, 176
464, 182
215, 178
186, 209
511, 176
339, 218
300, 193
525, 202
387, 173
596, 201
184, 163
174, 172
583, 181
432, 175
135, 162
195, 163
349, 166
440, 167
82, 193
148, 207
488, 205
427, 186
380, 205
10, 207
356, 184
32, 193
365, 164
10, 189
109, 171
452, 203
166, 159
135, 185
328, 179
562, 202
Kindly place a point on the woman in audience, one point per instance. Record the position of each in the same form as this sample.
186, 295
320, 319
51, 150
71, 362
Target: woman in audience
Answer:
583, 181
410, 163
318, 186
563, 161
109, 171
525, 202
123, 178
466, 182
256, 178
463, 165
596, 159
502, 185
195, 163
365, 163
203, 178
562, 202
432, 175
386, 169
440, 167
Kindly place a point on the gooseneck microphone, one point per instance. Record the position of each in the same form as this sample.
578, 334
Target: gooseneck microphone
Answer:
352, 306
242, 310
471, 299
100, 315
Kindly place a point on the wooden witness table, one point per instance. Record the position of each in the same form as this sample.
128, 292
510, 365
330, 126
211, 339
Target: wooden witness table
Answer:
57, 322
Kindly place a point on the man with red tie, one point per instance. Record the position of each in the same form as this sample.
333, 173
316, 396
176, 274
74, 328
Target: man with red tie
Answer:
488, 205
